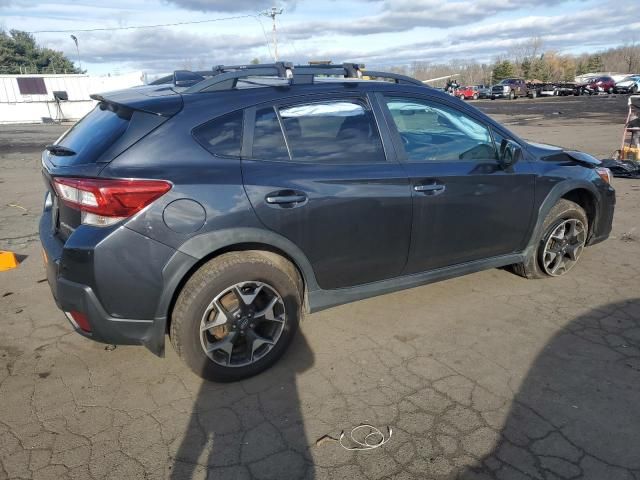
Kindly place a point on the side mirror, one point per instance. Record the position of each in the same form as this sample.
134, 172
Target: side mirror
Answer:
510, 153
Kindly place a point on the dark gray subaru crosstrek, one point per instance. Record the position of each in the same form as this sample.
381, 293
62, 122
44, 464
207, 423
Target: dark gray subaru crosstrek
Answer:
219, 206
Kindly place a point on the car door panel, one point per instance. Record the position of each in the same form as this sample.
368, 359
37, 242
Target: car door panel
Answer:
479, 214
465, 208
352, 219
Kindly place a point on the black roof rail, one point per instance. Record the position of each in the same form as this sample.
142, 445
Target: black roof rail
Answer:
225, 77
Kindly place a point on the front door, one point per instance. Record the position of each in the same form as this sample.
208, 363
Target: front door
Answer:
466, 206
328, 186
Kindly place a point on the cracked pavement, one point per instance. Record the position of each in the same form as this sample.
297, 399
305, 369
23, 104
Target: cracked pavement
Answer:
487, 376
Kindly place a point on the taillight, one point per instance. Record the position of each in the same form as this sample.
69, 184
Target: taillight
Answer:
79, 320
103, 202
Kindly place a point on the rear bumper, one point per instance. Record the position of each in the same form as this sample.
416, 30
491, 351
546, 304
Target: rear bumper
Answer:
89, 277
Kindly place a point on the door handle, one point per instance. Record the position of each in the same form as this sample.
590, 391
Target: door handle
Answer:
275, 199
430, 189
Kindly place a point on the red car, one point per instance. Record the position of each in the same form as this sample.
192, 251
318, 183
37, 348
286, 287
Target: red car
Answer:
465, 93
600, 84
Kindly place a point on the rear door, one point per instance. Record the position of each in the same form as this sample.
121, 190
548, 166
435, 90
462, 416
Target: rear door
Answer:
466, 206
331, 185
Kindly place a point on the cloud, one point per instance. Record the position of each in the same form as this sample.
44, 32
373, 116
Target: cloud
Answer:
166, 49
587, 28
402, 15
227, 5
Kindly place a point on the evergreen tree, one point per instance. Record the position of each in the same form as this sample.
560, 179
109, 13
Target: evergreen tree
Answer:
19, 53
502, 70
595, 64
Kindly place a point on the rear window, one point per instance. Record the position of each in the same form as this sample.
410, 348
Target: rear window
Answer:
222, 136
97, 131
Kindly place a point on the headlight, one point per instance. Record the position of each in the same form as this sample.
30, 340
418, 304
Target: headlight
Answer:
605, 174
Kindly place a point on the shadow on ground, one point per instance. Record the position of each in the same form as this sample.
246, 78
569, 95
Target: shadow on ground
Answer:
249, 429
577, 413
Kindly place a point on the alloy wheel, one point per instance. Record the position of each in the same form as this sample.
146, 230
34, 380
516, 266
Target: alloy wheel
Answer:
563, 247
242, 324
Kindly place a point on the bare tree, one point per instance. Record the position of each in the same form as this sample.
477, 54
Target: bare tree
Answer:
630, 53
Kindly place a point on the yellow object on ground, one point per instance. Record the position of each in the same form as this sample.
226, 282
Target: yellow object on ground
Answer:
8, 260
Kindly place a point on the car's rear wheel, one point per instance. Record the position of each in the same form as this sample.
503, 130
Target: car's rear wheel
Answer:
237, 314
563, 238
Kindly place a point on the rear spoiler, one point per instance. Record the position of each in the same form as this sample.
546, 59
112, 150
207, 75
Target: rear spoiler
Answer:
151, 99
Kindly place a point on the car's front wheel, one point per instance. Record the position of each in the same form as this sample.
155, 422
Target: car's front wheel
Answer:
237, 314
563, 238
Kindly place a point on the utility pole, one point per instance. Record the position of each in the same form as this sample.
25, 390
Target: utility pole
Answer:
272, 13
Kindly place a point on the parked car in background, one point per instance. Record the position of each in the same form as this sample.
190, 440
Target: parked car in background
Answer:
469, 92
630, 84
510, 88
549, 90
534, 89
484, 91
601, 84
568, 88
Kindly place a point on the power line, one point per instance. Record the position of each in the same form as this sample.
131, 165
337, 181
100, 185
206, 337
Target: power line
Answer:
134, 27
265, 35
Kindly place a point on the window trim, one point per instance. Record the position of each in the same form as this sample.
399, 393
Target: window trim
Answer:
361, 98
402, 156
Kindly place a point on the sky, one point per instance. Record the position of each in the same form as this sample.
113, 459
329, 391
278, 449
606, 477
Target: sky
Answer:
378, 33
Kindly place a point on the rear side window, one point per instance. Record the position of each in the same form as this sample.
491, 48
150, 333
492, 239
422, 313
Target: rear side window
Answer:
222, 136
95, 133
341, 131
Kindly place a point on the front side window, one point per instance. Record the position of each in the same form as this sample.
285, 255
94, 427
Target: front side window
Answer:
222, 136
433, 132
342, 131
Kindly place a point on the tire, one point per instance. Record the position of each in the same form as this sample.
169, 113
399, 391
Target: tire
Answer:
564, 210
512, 95
265, 275
462, 97
492, 97
610, 91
